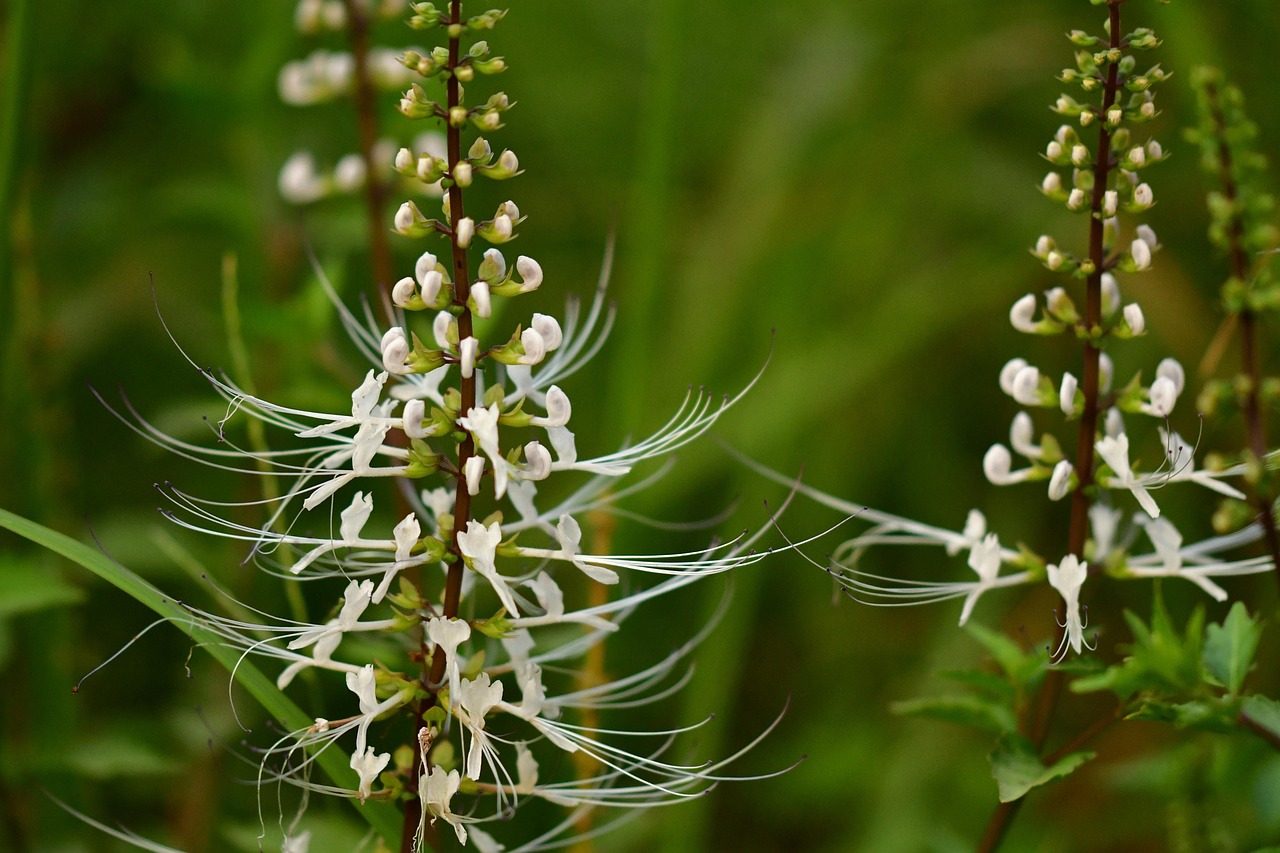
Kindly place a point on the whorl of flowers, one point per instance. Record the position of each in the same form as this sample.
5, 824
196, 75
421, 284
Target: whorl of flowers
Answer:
457, 622
1098, 166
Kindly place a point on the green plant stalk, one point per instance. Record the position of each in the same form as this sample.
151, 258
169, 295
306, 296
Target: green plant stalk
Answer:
1046, 702
1238, 261
381, 816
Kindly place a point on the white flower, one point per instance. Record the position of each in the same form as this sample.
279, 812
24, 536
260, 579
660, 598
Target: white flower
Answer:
482, 423
1067, 578
395, 351
1026, 386
1134, 319
1022, 314
1075, 201
464, 231
349, 174
446, 635
480, 295
479, 545
984, 559
549, 328
1022, 436
467, 349
472, 472
299, 183
558, 409
1163, 394
368, 766
1052, 182
436, 789
1141, 253
535, 348
1114, 451
997, 465
1110, 201
1008, 372
1110, 294
530, 273
1067, 394
1148, 236
476, 697
1142, 195
1060, 482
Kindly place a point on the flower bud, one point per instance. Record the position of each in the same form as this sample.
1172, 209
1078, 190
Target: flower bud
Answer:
462, 174
1079, 155
1053, 151
480, 152
535, 348
1114, 423
1148, 236
410, 221
1052, 183
1142, 195
558, 409
1008, 372
349, 174
1026, 386
465, 231
395, 351
1060, 481
1106, 370
473, 470
1154, 150
1075, 199
997, 465
415, 412
404, 161
1021, 315
1110, 201
530, 273
299, 183
1110, 294
538, 461
440, 329
1141, 254
1115, 115
549, 328
1136, 157
1067, 394
404, 292
494, 266
479, 300
467, 348
1055, 259
1133, 318
457, 116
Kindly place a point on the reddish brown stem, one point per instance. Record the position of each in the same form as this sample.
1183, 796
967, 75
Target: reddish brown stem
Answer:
433, 676
375, 190
1238, 260
1046, 702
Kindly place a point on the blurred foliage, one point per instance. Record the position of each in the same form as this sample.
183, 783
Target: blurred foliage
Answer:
857, 178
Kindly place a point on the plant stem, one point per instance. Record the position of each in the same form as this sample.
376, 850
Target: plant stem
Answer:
1239, 264
1078, 532
466, 449
375, 191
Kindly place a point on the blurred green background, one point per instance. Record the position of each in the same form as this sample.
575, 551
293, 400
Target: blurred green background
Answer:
849, 185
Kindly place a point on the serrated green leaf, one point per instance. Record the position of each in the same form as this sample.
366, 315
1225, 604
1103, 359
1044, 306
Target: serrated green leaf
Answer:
383, 817
966, 710
986, 683
1024, 668
1229, 647
1017, 769
1263, 712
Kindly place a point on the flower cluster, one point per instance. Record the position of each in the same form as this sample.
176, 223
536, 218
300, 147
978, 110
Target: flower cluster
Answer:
458, 623
1098, 166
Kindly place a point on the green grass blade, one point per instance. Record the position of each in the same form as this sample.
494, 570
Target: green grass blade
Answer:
383, 817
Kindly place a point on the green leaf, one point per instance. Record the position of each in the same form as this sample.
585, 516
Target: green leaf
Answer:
966, 710
1212, 715
27, 586
986, 683
1024, 668
1229, 647
383, 817
1263, 712
1017, 769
